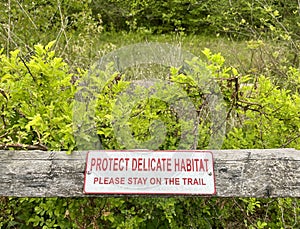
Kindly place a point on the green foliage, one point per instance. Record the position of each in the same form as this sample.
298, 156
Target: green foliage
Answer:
261, 114
26, 21
145, 212
139, 120
37, 88
140, 109
236, 18
269, 116
255, 21
69, 22
36, 101
36, 98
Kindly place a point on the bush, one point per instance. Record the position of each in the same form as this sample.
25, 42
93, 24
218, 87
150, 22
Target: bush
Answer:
237, 18
36, 101
37, 91
27, 23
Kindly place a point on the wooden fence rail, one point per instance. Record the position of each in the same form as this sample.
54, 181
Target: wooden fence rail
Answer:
239, 173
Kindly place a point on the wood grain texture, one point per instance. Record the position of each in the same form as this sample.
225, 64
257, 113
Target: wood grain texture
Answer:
239, 173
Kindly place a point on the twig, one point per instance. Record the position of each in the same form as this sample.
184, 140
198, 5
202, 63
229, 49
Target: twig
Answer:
28, 69
22, 146
3, 116
2, 92
24, 11
250, 103
243, 211
8, 28
12, 34
289, 141
63, 26
3, 135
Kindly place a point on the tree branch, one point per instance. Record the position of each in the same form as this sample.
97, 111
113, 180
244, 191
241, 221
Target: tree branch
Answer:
22, 146
28, 69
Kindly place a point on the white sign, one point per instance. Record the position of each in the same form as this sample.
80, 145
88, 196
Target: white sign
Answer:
149, 172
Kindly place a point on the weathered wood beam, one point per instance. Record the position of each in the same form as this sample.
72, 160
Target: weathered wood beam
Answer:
239, 173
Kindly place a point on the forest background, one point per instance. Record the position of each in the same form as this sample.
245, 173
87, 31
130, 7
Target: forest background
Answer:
250, 47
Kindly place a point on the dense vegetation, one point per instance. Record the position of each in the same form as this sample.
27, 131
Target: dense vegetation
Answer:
47, 47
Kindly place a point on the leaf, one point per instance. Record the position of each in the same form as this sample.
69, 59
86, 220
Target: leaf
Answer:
36, 121
234, 71
207, 53
49, 45
39, 49
276, 13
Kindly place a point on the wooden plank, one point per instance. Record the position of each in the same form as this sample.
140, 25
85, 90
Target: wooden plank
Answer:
239, 173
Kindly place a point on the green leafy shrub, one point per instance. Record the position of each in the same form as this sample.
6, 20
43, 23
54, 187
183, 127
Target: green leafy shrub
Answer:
158, 102
264, 114
69, 22
236, 18
36, 101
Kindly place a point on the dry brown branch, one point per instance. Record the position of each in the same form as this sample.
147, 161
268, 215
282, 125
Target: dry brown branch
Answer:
19, 146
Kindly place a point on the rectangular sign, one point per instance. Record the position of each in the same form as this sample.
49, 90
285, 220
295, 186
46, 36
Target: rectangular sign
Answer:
149, 172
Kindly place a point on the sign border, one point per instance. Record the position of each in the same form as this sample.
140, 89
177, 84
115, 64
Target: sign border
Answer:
150, 193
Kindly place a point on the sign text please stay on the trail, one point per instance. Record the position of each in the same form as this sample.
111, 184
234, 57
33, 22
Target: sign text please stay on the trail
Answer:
149, 172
